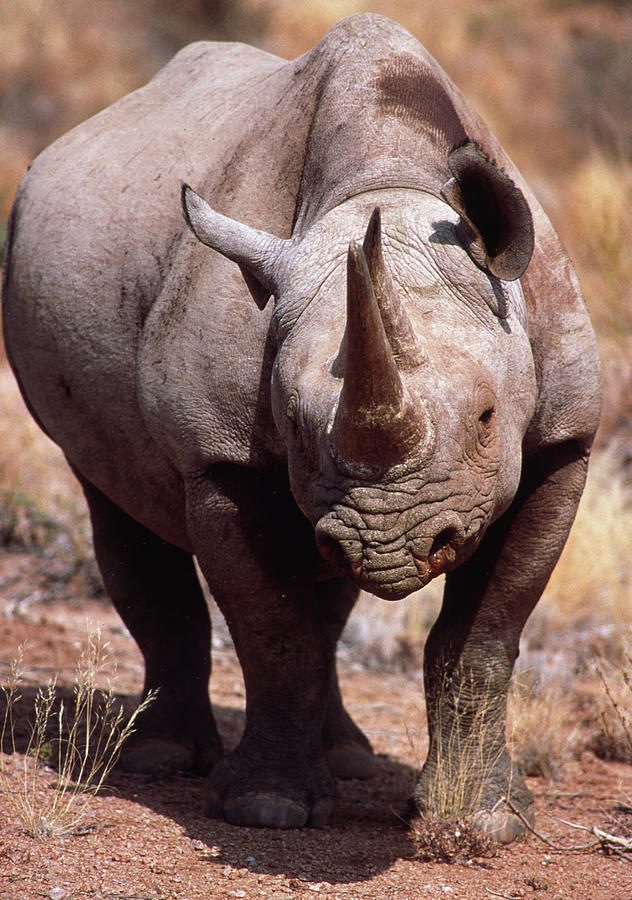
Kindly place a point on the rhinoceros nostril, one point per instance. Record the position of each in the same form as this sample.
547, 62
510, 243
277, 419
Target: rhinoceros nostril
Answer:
442, 554
335, 546
331, 550
442, 541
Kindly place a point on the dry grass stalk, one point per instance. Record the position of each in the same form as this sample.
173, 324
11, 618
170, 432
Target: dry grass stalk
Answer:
22, 524
539, 746
473, 738
70, 752
30, 464
614, 740
592, 581
599, 199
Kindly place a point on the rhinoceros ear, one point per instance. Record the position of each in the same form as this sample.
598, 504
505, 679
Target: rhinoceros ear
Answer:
496, 226
256, 252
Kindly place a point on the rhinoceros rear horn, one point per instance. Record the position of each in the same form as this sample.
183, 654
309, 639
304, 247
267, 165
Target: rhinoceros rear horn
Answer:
496, 226
401, 335
256, 252
375, 423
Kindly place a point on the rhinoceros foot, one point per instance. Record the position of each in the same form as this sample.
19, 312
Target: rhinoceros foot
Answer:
151, 755
172, 737
269, 810
350, 760
273, 800
502, 822
501, 806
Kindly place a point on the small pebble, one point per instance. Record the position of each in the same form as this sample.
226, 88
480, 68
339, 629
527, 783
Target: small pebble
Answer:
57, 893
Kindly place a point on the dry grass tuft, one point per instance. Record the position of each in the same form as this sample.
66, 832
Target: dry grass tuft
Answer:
596, 225
42, 508
70, 751
613, 740
30, 464
592, 581
538, 743
467, 744
22, 525
451, 840
391, 635
598, 229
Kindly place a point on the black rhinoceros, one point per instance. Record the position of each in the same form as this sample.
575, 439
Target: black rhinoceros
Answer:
385, 373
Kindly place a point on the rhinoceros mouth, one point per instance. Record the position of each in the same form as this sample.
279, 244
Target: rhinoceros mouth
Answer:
392, 571
395, 589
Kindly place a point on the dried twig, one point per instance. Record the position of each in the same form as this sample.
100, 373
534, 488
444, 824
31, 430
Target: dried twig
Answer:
609, 843
504, 896
540, 837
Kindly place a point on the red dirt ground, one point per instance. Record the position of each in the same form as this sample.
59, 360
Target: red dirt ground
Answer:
149, 839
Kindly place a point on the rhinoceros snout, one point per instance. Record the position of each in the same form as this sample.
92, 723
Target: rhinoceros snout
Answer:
394, 568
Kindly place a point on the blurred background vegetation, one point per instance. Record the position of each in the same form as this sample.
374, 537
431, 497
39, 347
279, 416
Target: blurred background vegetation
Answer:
553, 78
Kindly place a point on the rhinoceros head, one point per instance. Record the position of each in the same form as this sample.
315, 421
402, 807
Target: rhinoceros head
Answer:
404, 380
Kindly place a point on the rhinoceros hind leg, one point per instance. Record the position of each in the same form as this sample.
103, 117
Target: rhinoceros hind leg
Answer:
153, 755
347, 761
156, 591
348, 751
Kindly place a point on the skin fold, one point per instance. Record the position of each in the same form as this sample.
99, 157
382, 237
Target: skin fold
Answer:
359, 359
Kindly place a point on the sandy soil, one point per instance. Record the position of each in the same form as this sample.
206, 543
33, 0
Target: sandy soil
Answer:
147, 839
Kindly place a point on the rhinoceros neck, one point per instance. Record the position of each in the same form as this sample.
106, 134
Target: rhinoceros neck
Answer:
385, 118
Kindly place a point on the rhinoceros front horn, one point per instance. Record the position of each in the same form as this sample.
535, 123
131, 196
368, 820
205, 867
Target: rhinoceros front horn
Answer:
376, 424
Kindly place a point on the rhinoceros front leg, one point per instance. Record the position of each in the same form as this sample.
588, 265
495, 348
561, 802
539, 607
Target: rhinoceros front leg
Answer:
258, 555
156, 591
474, 643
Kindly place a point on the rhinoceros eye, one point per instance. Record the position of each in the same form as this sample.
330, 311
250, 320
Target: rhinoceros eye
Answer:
486, 424
292, 411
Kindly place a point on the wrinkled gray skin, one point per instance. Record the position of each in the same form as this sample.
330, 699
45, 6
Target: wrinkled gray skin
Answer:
392, 377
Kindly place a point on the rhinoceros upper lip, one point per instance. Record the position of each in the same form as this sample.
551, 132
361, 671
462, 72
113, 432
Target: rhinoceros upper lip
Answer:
346, 556
422, 557
423, 568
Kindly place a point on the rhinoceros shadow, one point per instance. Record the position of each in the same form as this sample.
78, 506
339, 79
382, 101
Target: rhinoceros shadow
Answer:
368, 832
